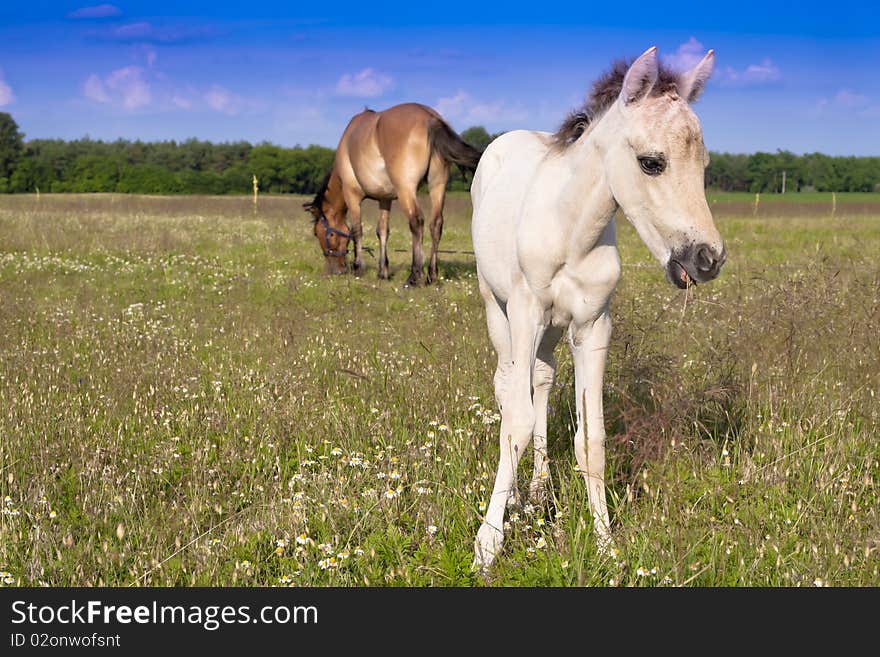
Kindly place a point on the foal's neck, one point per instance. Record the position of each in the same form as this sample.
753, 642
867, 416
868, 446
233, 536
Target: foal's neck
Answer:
586, 201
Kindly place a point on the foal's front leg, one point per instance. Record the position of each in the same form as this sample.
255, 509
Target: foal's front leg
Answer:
543, 376
517, 423
589, 348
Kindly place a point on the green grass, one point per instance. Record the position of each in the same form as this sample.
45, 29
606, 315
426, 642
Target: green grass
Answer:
186, 400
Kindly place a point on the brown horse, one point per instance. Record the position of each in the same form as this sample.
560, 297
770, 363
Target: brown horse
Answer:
384, 156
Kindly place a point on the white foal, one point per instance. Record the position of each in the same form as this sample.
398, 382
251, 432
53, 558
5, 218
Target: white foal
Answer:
545, 242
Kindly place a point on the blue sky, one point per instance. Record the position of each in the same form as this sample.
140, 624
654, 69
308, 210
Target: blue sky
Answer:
800, 76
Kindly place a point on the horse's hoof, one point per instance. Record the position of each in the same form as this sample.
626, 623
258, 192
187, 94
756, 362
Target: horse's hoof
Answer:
605, 545
486, 547
414, 281
513, 500
358, 270
538, 491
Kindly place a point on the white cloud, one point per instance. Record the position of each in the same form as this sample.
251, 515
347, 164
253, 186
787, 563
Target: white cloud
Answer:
130, 85
848, 98
93, 89
125, 87
6, 95
687, 55
465, 110
847, 102
181, 102
367, 83
753, 74
222, 100
96, 11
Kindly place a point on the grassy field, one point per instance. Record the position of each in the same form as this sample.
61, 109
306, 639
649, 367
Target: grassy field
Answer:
186, 400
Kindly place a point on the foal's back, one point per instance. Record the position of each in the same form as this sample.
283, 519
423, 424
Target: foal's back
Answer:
506, 175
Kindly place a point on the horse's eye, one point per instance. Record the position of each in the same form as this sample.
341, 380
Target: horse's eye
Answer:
652, 164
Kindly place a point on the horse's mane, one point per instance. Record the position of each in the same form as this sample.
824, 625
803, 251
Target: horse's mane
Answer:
603, 93
318, 201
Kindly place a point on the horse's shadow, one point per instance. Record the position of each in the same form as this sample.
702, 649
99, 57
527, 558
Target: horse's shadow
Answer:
448, 270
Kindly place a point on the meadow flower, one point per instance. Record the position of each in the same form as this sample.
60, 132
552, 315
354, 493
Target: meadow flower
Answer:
336, 451
432, 529
328, 563
541, 543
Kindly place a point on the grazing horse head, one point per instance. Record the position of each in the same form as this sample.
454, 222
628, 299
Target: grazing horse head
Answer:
330, 228
655, 159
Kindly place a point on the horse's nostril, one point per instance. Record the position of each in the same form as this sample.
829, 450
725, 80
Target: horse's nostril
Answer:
705, 259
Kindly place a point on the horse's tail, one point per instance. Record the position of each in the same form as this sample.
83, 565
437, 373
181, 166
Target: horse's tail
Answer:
451, 147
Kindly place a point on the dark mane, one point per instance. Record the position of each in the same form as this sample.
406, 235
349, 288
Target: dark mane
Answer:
603, 93
318, 201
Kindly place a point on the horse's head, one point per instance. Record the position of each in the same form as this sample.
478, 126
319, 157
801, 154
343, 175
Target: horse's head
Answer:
332, 233
655, 162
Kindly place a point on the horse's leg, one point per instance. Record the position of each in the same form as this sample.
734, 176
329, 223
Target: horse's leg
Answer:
517, 420
409, 203
353, 200
438, 175
543, 375
382, 230
499, 335
589, 347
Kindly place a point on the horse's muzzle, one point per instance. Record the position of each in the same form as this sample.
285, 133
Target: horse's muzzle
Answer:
335, 265
696, 263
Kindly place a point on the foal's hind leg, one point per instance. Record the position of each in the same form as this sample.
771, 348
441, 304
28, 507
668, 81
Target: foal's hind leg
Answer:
382, 230
409, 203
543, 375
490, 536
517, 418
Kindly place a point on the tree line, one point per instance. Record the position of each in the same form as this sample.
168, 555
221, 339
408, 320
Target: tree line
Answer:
201, 167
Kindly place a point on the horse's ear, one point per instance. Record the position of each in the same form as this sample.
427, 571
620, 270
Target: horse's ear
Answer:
312, 208
690, 84
641, 77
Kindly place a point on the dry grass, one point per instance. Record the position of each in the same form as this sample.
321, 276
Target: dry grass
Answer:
185, 399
